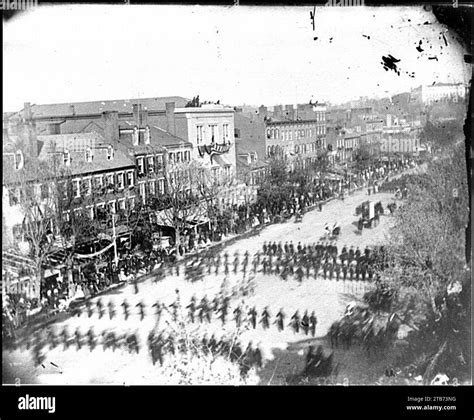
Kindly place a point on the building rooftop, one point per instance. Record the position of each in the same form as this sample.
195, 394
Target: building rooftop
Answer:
97, 107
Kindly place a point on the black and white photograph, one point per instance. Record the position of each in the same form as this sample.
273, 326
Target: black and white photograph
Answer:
236, 195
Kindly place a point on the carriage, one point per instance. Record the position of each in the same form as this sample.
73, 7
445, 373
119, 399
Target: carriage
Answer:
369, 212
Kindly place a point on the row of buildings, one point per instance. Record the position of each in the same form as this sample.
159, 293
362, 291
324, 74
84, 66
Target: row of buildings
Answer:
124, 148
110, 155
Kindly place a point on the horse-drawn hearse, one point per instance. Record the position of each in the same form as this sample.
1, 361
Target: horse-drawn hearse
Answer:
369, 212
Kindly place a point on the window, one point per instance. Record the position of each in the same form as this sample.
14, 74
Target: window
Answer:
199, 134
141, 165
88, 185
226, 132
110, 180
178, 157
120, 180
67, 157
130, 180
88, 155
171, 157
151, 164
159, 163
152, 187
112, 207
161, 186
110, 153
121, 203
99, 181
77, 187
143, 191
131, 203
213, 132
236, 133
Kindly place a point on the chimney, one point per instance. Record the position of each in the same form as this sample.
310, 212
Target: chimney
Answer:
277, 111
147, 135
136, 114
111, 126
143, 117
27, 114
170, 126
29, 130
262, 111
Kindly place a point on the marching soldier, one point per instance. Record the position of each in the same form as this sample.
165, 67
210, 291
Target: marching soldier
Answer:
291, 248
295, 322
237, 316
111, 309
236, 261
65, 337
299, 274
192, 308
305, 322
265, 318
100, 308
90, 309
279, 249
174, 312
125, 307
158, 310
91, 339
141, 309
223, 310
255, 262
203, 308
337, 269
252, 314
78, 338
313, 321
280, 320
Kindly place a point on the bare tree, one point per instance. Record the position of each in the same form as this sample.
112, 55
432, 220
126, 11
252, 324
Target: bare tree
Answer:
181, 203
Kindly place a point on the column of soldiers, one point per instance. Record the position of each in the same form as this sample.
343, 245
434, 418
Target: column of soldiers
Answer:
321, 259
52, 338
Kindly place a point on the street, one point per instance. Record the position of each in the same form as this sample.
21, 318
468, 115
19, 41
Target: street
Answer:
327, 298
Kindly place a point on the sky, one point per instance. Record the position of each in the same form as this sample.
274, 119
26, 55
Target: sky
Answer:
238, 55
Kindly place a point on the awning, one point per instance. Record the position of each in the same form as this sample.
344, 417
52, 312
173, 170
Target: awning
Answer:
162, 220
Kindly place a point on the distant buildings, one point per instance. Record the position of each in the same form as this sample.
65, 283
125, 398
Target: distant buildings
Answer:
300, 140
440, 92
250, 147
